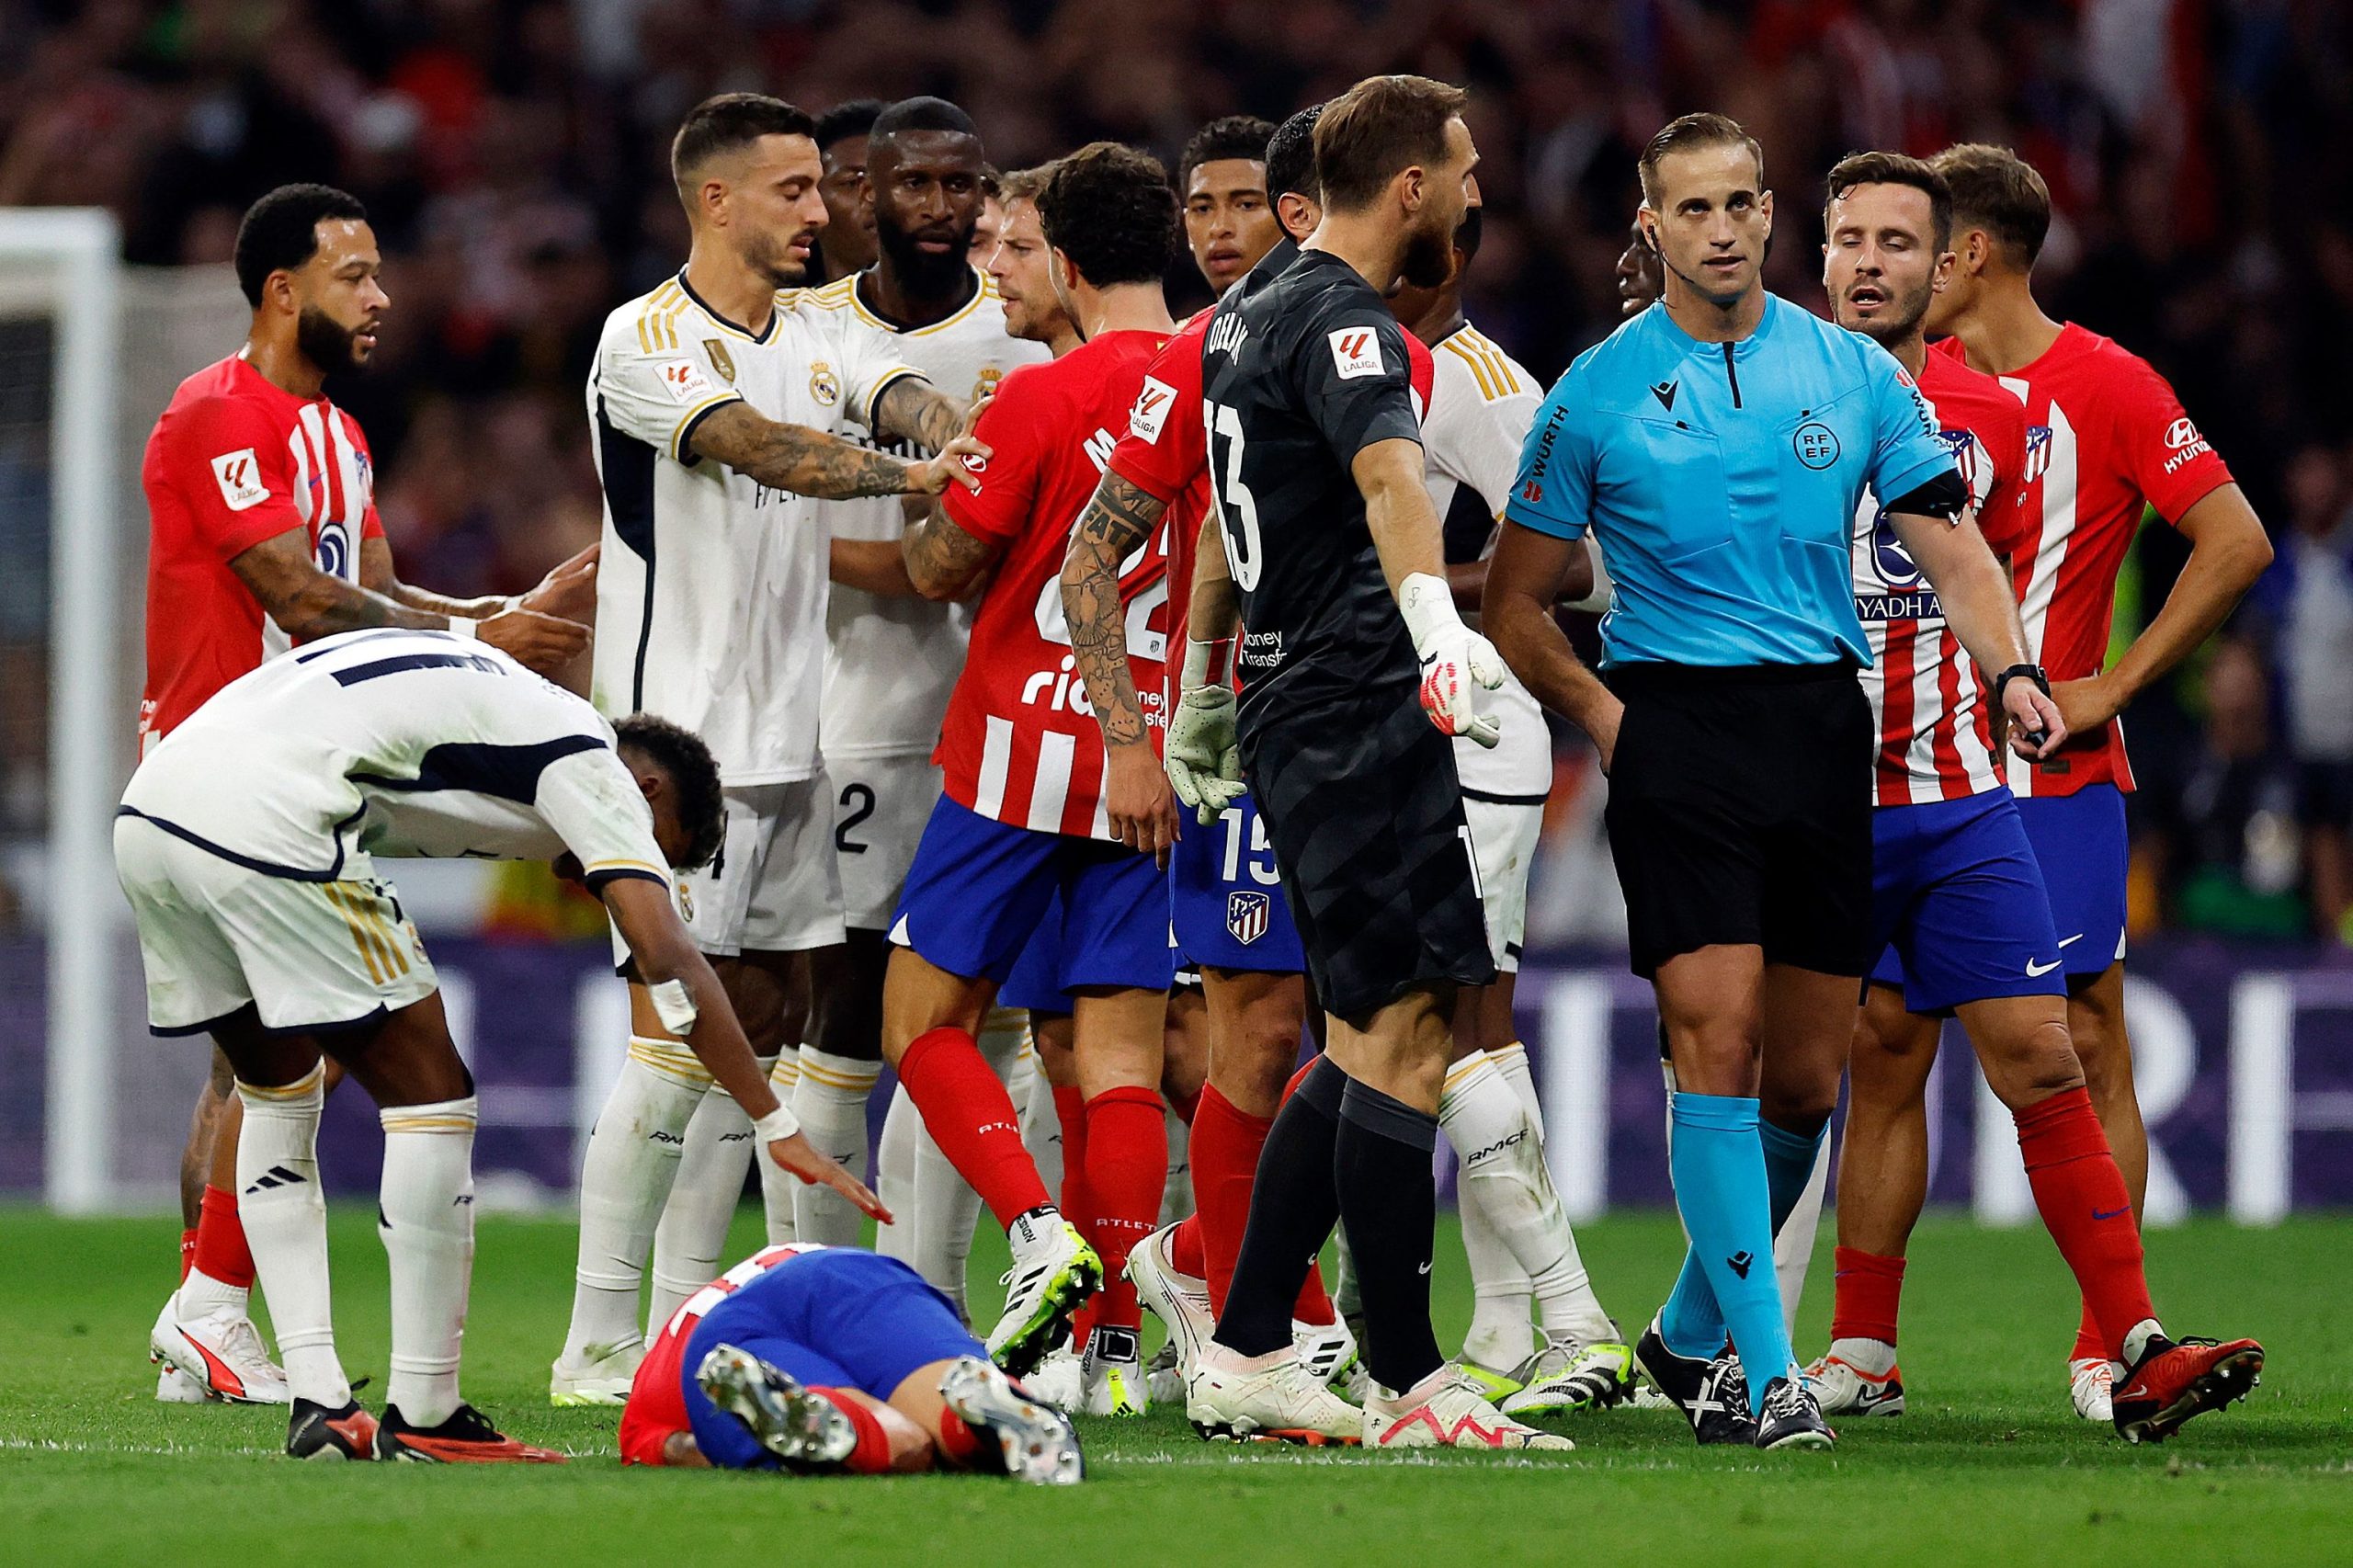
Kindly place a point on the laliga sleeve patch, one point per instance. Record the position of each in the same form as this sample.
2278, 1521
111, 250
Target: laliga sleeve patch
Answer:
1356, 352
1150, 415
683, 379
238, 474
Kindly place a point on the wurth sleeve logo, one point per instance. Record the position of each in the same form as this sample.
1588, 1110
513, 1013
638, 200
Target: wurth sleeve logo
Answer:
1150, 415
1356, 352
238, 474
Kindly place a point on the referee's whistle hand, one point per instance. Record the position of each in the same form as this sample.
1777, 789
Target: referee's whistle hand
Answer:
2037, 727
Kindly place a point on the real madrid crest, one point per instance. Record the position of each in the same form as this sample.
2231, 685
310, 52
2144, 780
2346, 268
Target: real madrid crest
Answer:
985, 384
686, 903
824, 385
720, 360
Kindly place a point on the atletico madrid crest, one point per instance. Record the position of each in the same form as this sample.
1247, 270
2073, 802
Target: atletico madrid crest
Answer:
1246, 915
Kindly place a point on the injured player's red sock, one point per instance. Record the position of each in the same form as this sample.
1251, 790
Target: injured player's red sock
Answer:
971, 1119
872, 1455
221, 1251
1185, 1252
1127, 1167
1225, 1146
1868, 1288
2082, 1198
188, 1252
957, 1440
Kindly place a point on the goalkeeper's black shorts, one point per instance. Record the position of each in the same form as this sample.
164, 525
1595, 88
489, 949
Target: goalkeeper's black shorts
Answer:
1365, 814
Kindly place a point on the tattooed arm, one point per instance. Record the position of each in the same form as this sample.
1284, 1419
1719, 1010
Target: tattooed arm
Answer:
943, 561
1137, 801
809, 462
305, 602
914, 410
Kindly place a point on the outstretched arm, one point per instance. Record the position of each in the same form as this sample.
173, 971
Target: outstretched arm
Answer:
811, 462
545, 628
914, 410
306, 602
1119, 520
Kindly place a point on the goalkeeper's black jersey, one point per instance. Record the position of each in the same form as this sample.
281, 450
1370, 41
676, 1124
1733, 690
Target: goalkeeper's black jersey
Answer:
1302, 369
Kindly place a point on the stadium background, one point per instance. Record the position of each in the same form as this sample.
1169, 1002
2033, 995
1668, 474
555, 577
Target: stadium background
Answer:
512, 158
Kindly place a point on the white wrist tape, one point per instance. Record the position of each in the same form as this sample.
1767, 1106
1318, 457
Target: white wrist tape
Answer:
674, 1006
464, 626
1428, 604
1208, 663
778, 1124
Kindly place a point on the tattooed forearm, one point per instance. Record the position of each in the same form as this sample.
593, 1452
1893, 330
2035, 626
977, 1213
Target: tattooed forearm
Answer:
306, 602
795, 458
1117, 522
943, 561
914, 409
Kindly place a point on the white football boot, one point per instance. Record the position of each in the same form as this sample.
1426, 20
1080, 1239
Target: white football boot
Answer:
1330, 1352
1272, 1397
1037, 1445
1180, 1301
222, 1353
806, 1430
1857, 1377
1447, 1410
174, 1386
1113, 1367
2091, 1380
1568, 1373
1164, 1375
1059, 1380
1054, 1272
602, 1381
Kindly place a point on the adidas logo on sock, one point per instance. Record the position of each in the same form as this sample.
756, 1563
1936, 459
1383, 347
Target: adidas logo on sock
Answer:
1739, 1263
277, 1176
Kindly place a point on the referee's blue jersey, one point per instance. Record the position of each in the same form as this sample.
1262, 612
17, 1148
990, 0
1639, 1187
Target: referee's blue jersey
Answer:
1722, 480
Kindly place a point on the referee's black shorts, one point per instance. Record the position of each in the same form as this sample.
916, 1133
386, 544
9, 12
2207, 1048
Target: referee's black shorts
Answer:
1740, 813
1364, 813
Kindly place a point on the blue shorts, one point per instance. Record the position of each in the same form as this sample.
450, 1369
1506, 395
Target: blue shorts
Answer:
839, 1317
1958, 905
1225, 898
980, 890
1035, 984
2081, 842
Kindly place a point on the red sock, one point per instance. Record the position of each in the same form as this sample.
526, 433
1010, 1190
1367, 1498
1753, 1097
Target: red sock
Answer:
1070, 1111
2088, 1344
872, 1455
971, 1119
1184, 1249
188, 1253
957, 1440
220, 1250
1225, 1146
1127, 1167
1868, 1288
1187, 1105
2081, 1195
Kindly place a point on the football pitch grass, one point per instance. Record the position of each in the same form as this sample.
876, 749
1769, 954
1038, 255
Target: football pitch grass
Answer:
1988, 1466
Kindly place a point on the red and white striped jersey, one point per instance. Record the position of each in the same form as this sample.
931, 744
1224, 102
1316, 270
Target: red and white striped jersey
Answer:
1020, 743
2105, 436
234, 460
657, 1398
1936, 735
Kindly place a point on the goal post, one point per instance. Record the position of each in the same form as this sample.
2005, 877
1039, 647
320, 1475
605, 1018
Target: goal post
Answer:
66, 264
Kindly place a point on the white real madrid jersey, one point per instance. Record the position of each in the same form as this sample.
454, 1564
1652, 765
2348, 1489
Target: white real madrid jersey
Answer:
1482, 404
711, 594
399, 743
892, 660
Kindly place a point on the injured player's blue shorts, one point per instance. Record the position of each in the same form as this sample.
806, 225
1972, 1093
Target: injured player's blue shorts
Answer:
1958, 902
836, 1317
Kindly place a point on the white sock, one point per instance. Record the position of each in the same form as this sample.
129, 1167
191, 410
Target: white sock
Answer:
1875, 1356
1511, 1061
894, 1178
1041, 1125
1177, 1197
1793, 1244
424, 1213
201, 1296
1564, 1302
1507, 1198
779, 1189
693, 1232
947, 1210
830, 1104
285, 1216
632, 1161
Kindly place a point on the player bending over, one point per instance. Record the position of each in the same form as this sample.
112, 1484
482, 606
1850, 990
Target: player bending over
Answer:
245, 841
817, 1359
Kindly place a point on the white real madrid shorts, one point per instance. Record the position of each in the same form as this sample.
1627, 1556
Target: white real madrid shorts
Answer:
214, 936
1504, 790
881, 805
774, 887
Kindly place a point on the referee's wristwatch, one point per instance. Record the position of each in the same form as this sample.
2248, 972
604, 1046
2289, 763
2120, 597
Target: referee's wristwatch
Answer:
2017, 672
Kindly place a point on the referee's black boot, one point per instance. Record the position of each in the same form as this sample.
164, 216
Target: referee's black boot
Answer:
1714, 1402
1791, 1417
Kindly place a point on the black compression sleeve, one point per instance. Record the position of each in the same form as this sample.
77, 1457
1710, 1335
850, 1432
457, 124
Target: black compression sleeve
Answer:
1947, 496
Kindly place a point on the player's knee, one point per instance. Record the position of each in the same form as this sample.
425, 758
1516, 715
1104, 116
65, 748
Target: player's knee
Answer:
2039, 1062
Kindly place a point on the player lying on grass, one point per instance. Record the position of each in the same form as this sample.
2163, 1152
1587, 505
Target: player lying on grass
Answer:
829, 1359
244, 842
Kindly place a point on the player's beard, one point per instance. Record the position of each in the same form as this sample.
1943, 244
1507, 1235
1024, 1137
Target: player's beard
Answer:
1428, 260
1900, 321
773, 260
327, 343
924, 274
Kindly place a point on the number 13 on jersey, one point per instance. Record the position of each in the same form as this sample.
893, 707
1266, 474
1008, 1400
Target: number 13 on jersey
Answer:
1237, 509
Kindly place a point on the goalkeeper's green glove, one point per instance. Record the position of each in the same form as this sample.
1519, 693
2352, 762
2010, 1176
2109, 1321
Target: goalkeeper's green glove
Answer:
1200, 753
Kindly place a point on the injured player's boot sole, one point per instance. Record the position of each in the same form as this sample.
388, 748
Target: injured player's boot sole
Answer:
1038, 1444
805, 1430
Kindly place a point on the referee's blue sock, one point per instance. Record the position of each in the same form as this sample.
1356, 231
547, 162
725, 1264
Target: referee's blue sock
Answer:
1724, 1186
1691, 1310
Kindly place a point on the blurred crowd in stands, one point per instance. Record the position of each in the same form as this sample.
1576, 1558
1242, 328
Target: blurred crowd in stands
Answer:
512, 153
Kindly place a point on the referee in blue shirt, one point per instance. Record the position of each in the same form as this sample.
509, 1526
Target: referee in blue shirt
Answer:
1719, 445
